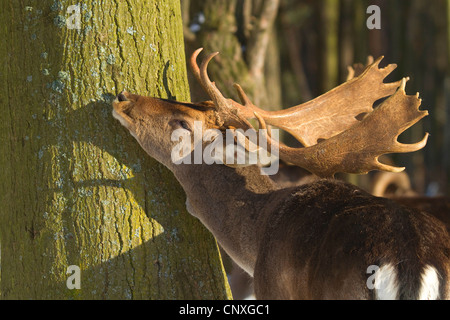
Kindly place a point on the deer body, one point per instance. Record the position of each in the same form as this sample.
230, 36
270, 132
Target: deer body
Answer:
334, 233
314, 241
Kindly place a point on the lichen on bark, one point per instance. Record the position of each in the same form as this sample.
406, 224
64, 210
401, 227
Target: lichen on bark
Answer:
75, 188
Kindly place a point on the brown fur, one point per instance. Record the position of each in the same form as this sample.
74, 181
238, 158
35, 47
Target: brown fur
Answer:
329, 232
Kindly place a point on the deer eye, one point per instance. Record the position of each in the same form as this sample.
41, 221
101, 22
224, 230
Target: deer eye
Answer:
182, 124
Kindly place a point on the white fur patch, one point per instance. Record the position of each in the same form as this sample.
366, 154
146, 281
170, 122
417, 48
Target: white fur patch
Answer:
430, 284
386, 284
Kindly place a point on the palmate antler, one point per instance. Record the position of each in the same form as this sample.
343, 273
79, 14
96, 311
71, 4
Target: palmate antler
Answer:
349, 145
358, 68
332, 112
356, 150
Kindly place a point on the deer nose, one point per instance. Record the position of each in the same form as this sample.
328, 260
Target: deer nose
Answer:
122, 96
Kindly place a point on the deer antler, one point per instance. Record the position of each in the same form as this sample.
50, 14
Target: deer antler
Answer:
227, 115
357, 149
358, 68
331, 113
321, 118
349, 145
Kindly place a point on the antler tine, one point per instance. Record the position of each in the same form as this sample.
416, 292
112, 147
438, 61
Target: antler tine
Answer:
358, 68
201, 74
226, 109
194, 65
242, 95
209, 86
247, 107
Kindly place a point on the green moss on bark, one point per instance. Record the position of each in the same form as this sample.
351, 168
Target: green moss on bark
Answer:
75, 188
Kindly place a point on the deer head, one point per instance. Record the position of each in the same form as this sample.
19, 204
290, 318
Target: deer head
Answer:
152, 121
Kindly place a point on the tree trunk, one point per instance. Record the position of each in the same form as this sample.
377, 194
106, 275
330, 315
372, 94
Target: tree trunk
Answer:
76, 189
329, 16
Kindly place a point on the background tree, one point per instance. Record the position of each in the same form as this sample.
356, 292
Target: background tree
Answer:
75, 188
242, 31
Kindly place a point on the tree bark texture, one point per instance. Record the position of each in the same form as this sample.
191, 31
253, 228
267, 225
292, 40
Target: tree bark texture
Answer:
76, 189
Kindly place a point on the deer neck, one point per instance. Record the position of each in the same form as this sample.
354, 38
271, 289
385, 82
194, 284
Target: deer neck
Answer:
228, 202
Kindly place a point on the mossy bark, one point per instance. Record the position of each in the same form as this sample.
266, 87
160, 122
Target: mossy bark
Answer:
76, 189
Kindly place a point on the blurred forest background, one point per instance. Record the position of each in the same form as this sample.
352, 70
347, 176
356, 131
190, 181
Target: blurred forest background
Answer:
285, 52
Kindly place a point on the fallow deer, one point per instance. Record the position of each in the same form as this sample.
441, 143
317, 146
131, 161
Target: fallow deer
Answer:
318, 240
